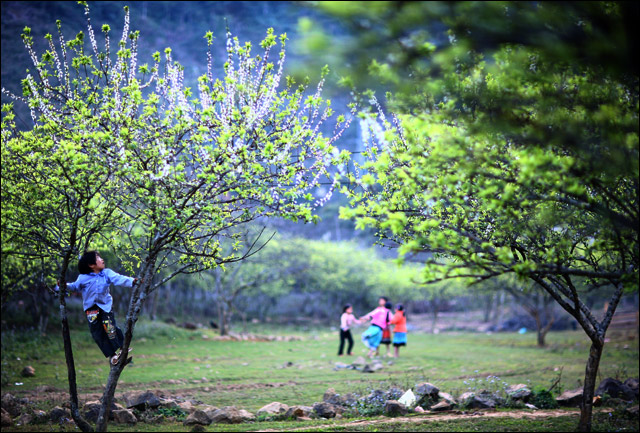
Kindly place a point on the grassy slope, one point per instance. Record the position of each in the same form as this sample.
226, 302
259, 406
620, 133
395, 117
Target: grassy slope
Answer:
251, 374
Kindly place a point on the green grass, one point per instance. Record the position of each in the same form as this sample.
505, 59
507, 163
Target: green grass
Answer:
252, 374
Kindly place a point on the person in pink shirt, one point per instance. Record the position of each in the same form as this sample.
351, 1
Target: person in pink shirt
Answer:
379, 321
346, 321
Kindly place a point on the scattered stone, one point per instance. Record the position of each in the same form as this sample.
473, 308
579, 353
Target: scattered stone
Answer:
372, 368
141, 400
274, 410
571, 398
477, 401
6, 419
43, 389
232, 415
24, 419
616, 389
341, 366
209, 410
167, 403
40, 417
441, 407
632, 384
633, 411
198, 417
519, 392
303, 418
426, 393
418, 409
57, 414
11, 405
530, 406
331, 396
124, 416
299, 412
187, 406
448, 398
91, 410
28, 371
198, 428
394, 408
359, 361
408, 398
325, 410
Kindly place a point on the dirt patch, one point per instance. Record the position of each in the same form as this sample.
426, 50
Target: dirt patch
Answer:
58, 396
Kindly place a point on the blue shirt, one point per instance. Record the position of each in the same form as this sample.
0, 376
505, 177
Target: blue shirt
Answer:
95, 288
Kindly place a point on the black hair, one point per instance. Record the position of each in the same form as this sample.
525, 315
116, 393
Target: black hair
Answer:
388, 305
346, 307
400, 307
87, 259
385, 298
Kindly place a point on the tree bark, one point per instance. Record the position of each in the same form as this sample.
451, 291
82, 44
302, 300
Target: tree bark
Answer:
138, 295
590, 377
68, 351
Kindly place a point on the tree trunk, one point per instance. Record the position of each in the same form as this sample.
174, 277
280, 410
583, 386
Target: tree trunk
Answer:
222, 317
588, 391
139, 293
434, 313
68, 352
488, 306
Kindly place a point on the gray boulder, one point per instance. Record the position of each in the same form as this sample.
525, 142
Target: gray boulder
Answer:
6, 419
91, 410
332, 397
24, 419
197, 417
394, 408
40, 417
273, 410
472, 400
448, 398
57, 414
441, 407
141, 400
231, 415
572, 398
616, 389
519, 392
299, 412
28, 371
426, 394
11, 405
209, 410
325, 410
124, 416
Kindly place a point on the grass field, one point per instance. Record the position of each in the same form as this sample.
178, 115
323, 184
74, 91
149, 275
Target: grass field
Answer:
193, 365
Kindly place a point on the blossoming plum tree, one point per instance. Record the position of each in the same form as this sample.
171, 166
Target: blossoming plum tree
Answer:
170, 171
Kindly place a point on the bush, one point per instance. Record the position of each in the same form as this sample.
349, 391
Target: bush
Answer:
543, 399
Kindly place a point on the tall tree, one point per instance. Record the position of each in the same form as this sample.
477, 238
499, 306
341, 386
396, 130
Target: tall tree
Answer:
170, 174
514, 157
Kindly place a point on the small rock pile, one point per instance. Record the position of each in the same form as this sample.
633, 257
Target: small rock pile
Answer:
425, 397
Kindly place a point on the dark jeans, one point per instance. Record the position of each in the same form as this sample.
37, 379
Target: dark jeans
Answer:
104, 330
345, 335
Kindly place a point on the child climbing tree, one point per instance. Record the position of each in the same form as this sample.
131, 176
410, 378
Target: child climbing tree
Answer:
177, 170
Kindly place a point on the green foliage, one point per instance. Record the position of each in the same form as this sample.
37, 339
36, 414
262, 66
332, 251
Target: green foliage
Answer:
176, 412
506, 161
543, 399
